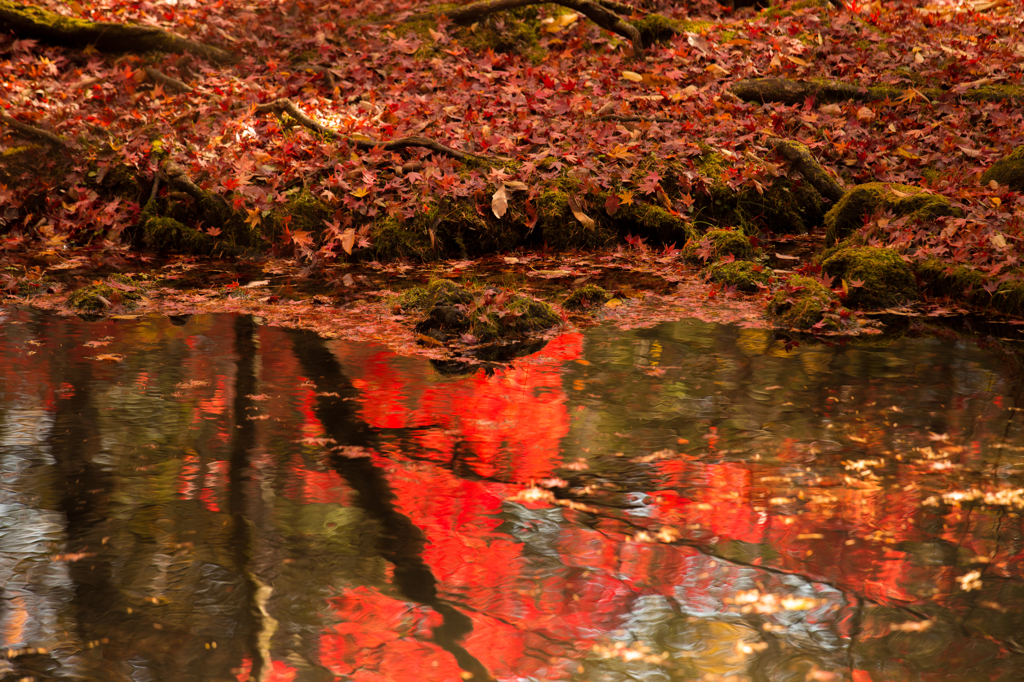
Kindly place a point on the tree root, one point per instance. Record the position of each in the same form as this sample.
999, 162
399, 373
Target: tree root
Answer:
168, 82
785, 91
286, 106
26, 21
33, 132
800, 159
604, 13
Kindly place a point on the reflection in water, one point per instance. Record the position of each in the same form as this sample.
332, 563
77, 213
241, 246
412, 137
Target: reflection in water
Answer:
209, 499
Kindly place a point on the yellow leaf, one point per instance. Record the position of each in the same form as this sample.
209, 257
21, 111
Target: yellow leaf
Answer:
998, 240
613, 303
620, 151
561, 22
626, 198
632, 76
797, 60
254, 218
361, 192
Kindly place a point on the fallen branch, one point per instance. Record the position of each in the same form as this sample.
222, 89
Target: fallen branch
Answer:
604, 13
286, 106
26, 21
800, 159
33, 132
168, 82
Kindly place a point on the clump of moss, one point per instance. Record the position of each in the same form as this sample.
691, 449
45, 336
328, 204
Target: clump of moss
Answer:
718, 243
963, 282
559, 227
102, 296
586, 297
874, 276
744, 275
847, 216
657, 224
805, 303
443, 292
488, 315
307, 212
1007, 171
167, 234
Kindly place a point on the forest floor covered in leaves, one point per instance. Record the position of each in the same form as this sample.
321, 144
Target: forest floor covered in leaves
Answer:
803, 167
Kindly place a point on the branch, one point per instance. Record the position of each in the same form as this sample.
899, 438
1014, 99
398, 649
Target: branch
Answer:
32, 131
604, 13
26, 21
286, 106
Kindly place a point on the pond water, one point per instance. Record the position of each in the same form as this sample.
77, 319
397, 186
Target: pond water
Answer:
207, 498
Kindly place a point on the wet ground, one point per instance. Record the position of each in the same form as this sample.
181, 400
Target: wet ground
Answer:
207, 498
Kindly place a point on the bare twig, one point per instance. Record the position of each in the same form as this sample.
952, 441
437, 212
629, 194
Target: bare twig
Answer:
32, 131
286, 106
167, 81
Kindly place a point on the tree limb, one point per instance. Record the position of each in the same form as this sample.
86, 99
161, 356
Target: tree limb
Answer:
167, 81
26, 21
286, 106
32, 131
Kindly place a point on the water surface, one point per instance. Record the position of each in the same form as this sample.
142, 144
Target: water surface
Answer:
206, 498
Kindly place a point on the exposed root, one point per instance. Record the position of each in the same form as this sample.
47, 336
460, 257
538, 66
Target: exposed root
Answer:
33, 132
785, 91
604, 13
168, 82
286, 106
26, 21
801, 159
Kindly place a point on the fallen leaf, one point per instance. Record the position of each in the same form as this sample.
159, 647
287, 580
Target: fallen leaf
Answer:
499, 202
348, 239
632, 76
585, 220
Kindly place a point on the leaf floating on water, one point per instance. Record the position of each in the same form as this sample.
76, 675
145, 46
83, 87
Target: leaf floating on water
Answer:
108, 357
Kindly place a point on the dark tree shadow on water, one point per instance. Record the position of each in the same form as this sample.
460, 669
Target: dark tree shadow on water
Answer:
400, 541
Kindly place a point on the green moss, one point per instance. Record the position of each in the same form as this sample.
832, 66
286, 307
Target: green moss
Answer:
1007, 171
307, 212
101, 296
847, 216
451, 309
779, 10
437, 292
964, 283
887, 279
586, 297
720, 243
393, 239
558, 226
654, 223
744, 275
167, 234
803, 303
995, 93
531, 315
